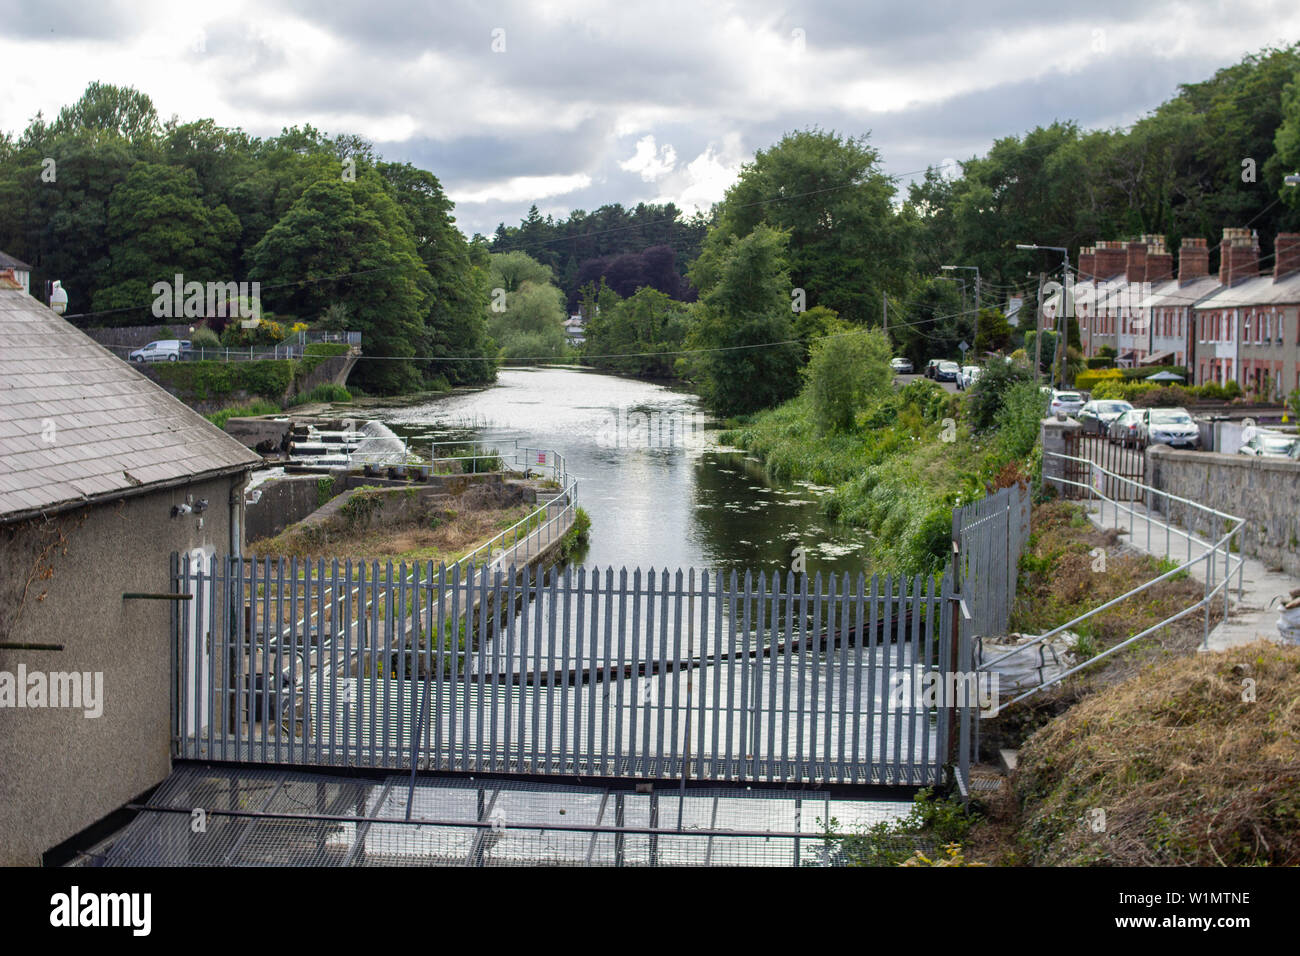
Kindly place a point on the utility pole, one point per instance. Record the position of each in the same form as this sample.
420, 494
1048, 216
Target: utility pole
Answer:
1038, 328
886, 295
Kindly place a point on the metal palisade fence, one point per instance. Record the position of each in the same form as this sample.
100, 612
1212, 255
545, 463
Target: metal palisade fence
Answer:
579, 672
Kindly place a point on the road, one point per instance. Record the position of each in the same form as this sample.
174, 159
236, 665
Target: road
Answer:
902, 380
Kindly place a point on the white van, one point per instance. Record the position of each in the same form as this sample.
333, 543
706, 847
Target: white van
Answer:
164, 350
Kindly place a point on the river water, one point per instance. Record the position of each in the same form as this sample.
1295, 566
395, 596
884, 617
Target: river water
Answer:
660, 490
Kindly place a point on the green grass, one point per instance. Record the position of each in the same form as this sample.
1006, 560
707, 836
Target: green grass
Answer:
326, 392
249, 409
908, 460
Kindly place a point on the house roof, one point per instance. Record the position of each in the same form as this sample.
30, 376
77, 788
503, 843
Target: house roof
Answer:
9, 262
1170, 294
78, 424
1260, 291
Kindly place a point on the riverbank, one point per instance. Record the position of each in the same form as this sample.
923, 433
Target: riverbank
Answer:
910, 457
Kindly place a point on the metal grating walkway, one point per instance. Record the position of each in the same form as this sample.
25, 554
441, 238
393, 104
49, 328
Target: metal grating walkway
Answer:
269, 817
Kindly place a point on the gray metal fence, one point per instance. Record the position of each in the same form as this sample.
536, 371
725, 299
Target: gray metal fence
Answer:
645, 675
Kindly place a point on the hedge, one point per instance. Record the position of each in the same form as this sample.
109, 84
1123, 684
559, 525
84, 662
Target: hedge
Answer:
207, 381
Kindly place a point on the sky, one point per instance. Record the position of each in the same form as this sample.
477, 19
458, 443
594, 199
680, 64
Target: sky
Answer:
570, 104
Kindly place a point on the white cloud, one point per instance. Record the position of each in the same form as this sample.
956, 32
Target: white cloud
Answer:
523, 189
651, 163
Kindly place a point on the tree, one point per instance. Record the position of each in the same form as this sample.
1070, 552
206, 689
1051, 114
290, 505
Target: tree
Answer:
843, 373
346, 243
846, 244
745, 359
532, 323
644, 329
159, 227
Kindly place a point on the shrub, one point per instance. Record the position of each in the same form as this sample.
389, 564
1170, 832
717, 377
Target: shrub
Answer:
843, 373
1090, 379
988, 392
204, 338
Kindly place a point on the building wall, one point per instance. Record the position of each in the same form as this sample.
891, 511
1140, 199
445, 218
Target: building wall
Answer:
1251, 488
63, 771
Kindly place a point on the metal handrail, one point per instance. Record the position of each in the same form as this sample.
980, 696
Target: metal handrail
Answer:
1209, 555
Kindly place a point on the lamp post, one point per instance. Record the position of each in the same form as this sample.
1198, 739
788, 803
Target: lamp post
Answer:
976, 270
1065, 312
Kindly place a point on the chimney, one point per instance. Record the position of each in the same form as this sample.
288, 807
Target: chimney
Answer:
1087, 263
1238, 255
1135, 260
1286, 252
1160, 264
1193, 261
1109, 259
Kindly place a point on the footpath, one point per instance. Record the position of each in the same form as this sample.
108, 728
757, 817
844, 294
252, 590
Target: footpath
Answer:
1255, 597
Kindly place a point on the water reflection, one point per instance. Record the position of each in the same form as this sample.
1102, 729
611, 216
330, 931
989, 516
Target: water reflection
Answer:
660, 491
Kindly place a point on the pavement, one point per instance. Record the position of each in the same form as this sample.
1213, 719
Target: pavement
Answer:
1256, 594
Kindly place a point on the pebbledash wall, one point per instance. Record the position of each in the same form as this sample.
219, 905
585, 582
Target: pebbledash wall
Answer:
1263, 491
61, 771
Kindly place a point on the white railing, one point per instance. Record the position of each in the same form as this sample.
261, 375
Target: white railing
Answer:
1225, 544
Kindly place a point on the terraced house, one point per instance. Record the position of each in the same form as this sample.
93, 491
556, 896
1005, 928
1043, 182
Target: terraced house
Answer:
1248, 330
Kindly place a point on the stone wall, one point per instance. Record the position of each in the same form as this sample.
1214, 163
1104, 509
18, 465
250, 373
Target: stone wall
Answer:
1263, 491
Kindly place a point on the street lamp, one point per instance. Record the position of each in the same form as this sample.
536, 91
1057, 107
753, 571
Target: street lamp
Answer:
1065, 281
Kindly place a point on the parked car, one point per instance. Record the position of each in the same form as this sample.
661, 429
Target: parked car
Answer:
1096, 415
164, 350
966, 378
1169, 426
932, 367
1125, 429
946, 372
1067, 402
1269, 444
901, 366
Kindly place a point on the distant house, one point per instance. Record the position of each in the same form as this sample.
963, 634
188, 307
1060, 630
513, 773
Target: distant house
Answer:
22, 272
575, 329
103, 475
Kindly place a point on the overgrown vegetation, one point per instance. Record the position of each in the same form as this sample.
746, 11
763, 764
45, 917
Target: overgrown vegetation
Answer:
1192, 762
326, 392
935, 827
907, 458
250, 409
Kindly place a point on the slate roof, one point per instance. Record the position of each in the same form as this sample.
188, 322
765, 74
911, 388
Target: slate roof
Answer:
1260, 291
114, 430
9, 262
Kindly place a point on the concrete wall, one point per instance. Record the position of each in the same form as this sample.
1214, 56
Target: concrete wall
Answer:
60, 771
1263, 491
284, 501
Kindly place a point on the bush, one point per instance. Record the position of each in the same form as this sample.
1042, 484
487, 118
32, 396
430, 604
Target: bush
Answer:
989, 391
204, 338
1090, 379
1100, 361
1019, 419
843, 373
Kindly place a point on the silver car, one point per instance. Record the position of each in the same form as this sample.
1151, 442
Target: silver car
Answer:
1097, 415
1169, 426
164, 350
1266, 444
1067, 402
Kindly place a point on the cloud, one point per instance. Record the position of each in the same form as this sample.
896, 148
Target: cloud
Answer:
595, 101
650, 163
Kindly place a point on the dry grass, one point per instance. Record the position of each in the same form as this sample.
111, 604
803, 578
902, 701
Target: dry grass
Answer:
1059, 581
453, 536
1186, 769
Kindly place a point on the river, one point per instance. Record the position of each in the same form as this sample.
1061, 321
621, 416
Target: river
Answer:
660, 489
